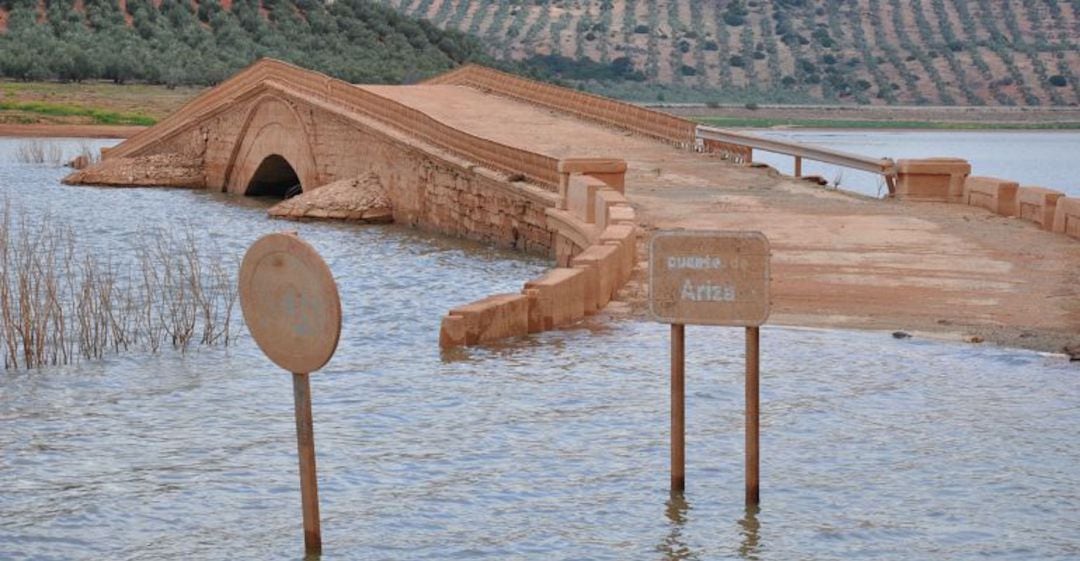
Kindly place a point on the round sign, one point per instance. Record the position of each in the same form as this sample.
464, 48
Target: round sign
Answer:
290, 302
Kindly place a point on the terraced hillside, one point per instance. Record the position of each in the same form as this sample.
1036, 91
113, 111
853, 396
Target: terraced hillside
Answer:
947, 52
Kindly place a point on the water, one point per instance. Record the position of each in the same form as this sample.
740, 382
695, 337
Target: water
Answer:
1046, 159
547, 447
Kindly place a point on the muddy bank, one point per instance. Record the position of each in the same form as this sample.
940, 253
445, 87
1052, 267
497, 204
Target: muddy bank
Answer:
69, 131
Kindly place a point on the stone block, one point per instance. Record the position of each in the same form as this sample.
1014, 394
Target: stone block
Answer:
612, 172
536, 318
993, 194
494, 317
560, 297
623, 236
605, 199
621, 214
590, 297
581, 197
453, 332
1037, 204
932, 179
605, 259
1067, 216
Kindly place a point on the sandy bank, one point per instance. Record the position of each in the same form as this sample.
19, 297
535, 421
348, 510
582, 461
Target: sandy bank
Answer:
69, 131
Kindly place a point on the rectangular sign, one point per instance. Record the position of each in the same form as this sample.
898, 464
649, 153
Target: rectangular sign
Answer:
709, 277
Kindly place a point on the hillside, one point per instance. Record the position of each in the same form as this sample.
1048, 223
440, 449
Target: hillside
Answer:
176, 42
938, 52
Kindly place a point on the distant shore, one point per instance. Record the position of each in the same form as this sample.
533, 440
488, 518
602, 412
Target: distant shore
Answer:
104, 109
68, 131
880, 117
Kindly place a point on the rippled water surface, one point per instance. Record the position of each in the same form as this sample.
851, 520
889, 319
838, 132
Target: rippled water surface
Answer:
1043, 158
547, 447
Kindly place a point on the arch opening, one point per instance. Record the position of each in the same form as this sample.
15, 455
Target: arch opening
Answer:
274, 178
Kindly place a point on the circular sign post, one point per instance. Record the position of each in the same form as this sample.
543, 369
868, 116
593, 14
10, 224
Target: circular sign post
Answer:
291, 306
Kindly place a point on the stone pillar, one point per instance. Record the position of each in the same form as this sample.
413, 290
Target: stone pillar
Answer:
609, 170
932, 179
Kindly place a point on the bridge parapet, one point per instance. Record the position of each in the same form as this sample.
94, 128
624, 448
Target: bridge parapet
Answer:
533, 167
661, 126
596, 252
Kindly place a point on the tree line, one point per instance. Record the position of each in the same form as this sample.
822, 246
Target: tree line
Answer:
181, 43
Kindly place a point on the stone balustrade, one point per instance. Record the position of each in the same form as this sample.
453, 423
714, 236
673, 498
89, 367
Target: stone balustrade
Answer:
1067, 216
1037, 204
661, 126
596, 251
993, 194
948, 180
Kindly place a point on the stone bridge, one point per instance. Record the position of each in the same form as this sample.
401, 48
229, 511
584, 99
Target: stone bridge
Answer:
483, 155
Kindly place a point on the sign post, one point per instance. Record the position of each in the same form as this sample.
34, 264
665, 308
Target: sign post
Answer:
291, 306
710, 278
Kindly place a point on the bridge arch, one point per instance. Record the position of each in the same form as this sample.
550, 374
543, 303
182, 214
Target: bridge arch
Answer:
273, 148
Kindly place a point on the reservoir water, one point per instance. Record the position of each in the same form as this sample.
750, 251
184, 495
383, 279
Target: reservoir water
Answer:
549, 447
1042, 158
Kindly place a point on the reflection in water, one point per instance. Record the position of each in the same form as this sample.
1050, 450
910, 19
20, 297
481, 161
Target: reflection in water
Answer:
674, 547
749, 528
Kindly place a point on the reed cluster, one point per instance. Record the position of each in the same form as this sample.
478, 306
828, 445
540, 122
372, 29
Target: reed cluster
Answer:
61, 303
35, 151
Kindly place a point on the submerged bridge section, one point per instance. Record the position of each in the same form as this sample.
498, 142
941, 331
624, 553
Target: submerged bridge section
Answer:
479, 154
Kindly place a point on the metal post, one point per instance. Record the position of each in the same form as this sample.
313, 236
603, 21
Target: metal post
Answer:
305, 443
678, 408
752, 442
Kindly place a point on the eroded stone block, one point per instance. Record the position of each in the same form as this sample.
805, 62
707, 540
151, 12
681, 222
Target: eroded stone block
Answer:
1038, 205
993, 194
932, 179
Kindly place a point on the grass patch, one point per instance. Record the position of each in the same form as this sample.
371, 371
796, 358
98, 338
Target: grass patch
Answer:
766, 122
98, 116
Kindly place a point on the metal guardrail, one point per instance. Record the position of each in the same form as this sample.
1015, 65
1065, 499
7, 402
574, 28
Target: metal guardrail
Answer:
882, 166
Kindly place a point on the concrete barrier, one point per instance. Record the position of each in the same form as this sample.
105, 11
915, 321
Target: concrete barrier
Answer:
1067, 216
932, 179
1037, 204
991, 193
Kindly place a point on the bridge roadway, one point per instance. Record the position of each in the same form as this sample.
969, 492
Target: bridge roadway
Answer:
838, 260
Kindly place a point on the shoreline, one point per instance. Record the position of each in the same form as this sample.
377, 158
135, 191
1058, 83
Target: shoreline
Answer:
958, 118
884, 126
68, 131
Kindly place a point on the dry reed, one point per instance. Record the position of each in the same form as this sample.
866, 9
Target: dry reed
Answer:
39, 152
61, 303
